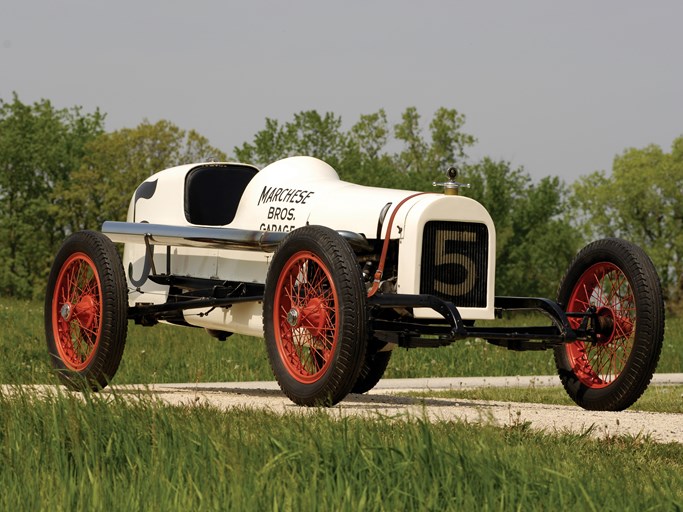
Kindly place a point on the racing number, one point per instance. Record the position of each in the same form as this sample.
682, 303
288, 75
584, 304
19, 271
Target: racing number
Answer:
445, 238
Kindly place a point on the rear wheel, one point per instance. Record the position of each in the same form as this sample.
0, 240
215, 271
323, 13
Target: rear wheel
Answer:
618, 282
86, 311
315, 316
371, 372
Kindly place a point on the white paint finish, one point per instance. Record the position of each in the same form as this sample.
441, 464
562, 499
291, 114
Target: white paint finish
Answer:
283, 196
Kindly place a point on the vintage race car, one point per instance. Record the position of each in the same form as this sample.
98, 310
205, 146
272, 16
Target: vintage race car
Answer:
335, 276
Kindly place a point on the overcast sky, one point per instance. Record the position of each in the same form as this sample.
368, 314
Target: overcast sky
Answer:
557, 87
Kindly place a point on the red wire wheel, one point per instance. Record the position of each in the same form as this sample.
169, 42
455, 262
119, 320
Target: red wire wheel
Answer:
76, 317
315, 316
613, 365
86, 311
604, 287
306, 318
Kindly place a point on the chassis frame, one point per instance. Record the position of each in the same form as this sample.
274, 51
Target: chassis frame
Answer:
405, 333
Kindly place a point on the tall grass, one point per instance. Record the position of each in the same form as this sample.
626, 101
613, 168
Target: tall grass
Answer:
104, 453
108, 452
166, 353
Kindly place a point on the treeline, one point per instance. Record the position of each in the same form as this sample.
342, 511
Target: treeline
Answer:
60, 172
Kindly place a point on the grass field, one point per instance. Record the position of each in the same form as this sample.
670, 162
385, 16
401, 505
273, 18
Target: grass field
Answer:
99, 453
178, 354
64, 453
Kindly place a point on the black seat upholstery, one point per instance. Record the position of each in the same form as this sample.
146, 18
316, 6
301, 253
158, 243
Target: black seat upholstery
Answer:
213, 192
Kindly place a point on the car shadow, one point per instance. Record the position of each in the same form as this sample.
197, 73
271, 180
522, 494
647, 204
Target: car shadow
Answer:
373, 401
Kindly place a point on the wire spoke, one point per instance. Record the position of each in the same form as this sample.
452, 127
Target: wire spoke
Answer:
605, 287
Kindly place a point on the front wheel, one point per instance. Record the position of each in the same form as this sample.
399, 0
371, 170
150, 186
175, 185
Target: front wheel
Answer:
315, 318
617, 282
86, 311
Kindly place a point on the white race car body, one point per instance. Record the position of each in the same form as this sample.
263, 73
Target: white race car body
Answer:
334, 276
445, 243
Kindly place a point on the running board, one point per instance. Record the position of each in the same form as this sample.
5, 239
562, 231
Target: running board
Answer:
206, 237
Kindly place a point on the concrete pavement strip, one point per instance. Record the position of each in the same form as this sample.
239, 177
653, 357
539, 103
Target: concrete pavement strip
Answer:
425, 384
384, 386
384, 402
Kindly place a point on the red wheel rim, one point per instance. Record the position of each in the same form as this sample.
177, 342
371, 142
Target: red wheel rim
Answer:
77, 311
605, 287
306, 320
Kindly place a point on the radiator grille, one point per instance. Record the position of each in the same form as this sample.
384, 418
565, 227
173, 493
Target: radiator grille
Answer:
454, 262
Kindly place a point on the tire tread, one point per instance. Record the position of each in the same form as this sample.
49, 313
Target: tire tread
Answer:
637, 373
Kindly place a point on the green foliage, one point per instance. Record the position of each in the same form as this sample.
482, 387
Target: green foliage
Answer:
115, 453
40, 146
364, 159
642, 201
115, 164
447, 146
308, 134
369, 135
359, 154
535, 241
60, 173
408, 131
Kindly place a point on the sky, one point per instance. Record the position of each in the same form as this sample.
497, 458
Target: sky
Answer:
559, 88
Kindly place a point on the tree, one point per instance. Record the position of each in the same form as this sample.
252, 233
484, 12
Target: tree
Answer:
308, 134
426, 160
39, 147
369, 135
543, 241
116, 163
535, 241
642, 201
359, 154
413, 158
364, 160
449, 142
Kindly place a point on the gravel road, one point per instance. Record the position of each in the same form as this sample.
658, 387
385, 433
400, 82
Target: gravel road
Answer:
383, 401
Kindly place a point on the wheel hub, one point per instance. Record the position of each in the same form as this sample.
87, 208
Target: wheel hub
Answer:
293, 317
85, 311
605, 325
65, 311
315, 316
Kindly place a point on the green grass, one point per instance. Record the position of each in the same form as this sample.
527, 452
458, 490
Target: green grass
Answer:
103, 453
166, 353
161, 353
655, 398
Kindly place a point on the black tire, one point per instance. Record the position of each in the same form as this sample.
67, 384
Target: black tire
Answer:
315, 317
86, 310
371, 372
619, 279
